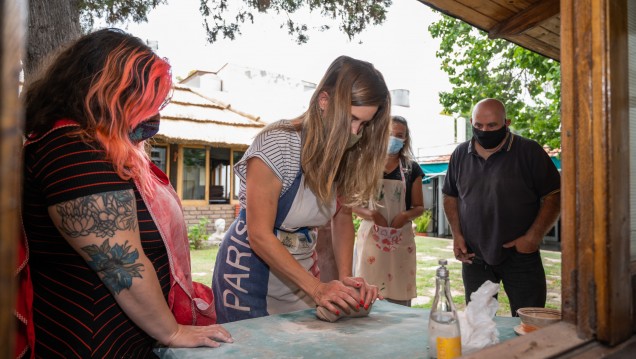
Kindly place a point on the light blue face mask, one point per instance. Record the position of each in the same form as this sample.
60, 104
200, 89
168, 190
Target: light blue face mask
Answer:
395, 145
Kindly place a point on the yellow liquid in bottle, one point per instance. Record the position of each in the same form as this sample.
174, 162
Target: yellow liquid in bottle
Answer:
449, 348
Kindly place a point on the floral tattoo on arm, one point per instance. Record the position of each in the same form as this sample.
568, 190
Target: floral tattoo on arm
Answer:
117, 264
99, 214
102, 215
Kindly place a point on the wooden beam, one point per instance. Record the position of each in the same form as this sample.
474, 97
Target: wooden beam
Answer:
569, 218
548, 342
484, 22
526, 19
597, 292
462, 12
595, 350
533, 44
12, 28
614, 275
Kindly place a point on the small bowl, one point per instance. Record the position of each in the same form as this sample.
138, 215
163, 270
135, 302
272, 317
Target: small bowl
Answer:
538, 317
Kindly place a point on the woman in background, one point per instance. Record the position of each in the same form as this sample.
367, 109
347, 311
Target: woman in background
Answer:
385, 249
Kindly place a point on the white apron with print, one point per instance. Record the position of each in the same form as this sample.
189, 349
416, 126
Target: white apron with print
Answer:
385, 256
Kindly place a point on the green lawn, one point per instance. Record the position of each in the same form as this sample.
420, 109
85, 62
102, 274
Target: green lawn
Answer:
429, 250
203, 264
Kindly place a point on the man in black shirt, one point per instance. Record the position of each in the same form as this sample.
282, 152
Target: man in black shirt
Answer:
501, 196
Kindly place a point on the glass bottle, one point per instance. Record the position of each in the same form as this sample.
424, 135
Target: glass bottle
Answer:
443, 326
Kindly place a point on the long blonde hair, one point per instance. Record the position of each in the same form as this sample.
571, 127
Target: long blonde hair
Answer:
327, 164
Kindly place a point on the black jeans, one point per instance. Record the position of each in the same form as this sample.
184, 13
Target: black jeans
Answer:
522, 275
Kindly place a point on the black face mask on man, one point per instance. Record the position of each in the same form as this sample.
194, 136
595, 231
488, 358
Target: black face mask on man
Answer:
490, 139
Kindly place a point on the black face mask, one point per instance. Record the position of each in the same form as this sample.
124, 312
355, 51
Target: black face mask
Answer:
489, 139
145, 129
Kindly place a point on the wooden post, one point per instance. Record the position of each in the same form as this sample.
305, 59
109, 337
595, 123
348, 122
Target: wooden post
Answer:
595, 126
12, 13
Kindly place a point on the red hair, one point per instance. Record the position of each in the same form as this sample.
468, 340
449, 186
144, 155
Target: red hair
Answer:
131, 88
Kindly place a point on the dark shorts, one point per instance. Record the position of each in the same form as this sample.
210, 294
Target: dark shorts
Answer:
522, 276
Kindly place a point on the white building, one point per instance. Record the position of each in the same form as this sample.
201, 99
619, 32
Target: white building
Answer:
273, 96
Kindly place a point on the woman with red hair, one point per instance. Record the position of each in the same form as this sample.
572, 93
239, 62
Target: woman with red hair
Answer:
108, 248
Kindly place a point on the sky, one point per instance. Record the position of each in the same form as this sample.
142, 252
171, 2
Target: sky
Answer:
401, 48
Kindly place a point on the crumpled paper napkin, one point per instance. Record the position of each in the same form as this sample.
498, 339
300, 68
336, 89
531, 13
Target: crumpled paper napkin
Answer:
476, 324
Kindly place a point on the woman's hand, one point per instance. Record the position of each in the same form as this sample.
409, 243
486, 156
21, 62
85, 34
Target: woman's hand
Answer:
368, 292
399, 220
379, 219
350, 293
335, 295
189, 336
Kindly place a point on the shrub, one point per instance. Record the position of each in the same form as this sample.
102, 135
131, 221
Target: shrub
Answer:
422, 222
198, 233
356, 223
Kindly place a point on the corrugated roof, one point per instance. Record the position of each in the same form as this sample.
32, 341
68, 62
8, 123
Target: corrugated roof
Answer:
193, 118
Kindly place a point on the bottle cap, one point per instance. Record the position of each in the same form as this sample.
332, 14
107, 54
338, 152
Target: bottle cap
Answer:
442, 272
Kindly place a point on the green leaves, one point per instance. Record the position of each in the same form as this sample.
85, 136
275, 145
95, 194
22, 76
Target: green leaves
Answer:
528, 83
223, 18
422, 222
220, 19
114, 11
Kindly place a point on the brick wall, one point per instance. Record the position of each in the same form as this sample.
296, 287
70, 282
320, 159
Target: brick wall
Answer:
193, 214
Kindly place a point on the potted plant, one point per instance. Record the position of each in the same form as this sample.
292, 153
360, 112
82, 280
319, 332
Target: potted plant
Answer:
421, 223
198, 233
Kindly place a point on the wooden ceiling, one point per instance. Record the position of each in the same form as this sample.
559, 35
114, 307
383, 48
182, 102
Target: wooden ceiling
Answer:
533, 24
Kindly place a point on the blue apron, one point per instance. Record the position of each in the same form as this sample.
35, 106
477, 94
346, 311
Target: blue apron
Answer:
243, 285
